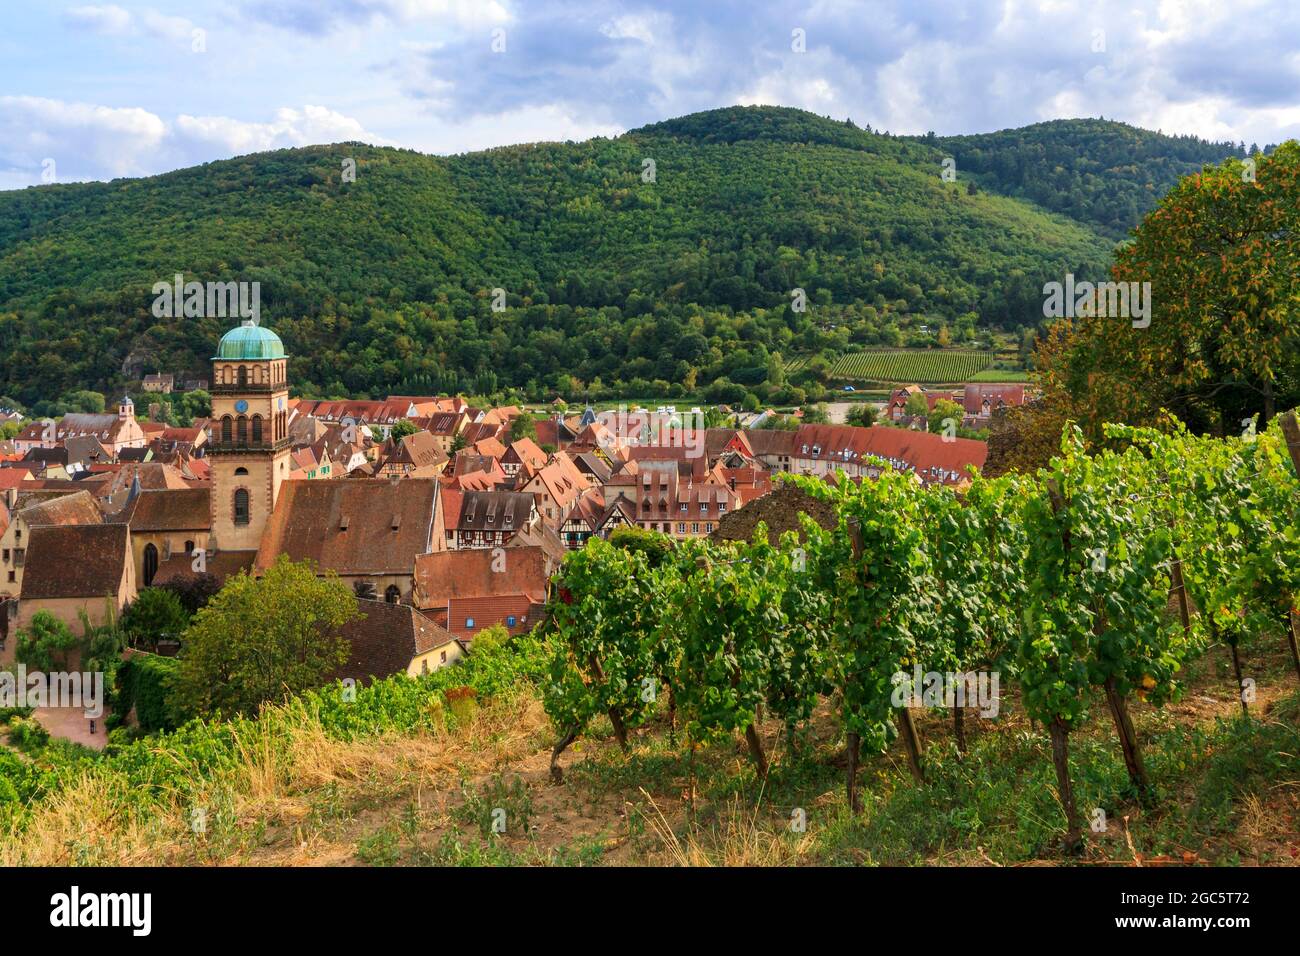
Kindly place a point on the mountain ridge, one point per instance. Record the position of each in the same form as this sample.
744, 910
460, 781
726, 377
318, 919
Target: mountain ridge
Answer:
385, 282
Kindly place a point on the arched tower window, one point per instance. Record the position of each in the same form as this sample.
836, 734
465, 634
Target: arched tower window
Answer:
257, 429
241, 506
225, 429
150, 563
243, 376
241, 430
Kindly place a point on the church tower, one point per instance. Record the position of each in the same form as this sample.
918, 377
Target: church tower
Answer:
249, 453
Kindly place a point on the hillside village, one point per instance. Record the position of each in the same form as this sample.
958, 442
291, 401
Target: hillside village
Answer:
444, 518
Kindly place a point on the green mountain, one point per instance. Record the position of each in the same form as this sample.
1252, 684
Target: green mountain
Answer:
1106, 175
663, 256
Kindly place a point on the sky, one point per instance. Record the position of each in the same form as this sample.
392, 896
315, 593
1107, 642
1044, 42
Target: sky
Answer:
103, 90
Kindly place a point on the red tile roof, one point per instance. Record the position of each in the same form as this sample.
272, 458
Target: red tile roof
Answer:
75, 561
480, 572
352, 527
465, 617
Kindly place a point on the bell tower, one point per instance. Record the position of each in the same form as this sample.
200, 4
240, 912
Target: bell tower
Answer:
249, 453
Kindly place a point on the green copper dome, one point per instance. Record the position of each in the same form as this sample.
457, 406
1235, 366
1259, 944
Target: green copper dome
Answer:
250, 341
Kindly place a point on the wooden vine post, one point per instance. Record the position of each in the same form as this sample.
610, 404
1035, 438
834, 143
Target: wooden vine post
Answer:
1058, 729
1291, 431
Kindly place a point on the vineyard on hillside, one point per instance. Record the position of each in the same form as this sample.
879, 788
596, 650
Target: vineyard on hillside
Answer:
1101, 578
906, 366
1098, 658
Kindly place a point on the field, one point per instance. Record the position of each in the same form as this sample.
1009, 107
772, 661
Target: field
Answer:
910, 365
907, 366
1000, 375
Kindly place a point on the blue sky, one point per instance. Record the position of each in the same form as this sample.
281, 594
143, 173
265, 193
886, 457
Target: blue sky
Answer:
100, 90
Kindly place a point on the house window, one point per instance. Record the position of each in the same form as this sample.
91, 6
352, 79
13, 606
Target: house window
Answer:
189, 547
722, 507
393, 594
709, 527
469, 622
444, 657
241, 506
510, 620
695, 527
681, 527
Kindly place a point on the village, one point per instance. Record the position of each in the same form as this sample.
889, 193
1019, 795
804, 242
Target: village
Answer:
445, 519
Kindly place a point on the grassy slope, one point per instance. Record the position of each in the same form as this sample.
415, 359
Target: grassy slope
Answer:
300, 795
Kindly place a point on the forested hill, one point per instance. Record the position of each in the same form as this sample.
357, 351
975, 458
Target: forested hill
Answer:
1104, 174
612, 274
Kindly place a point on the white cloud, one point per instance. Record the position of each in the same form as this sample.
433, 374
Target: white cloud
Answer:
533, 125
291, 127
110, 20
87, 141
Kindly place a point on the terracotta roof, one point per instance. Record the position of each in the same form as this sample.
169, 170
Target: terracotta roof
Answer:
976, 394
493, 511
418, 450
490, 446
485, 611
594, 465
170, 510
367, 412
480, 572
931, 457
13, 477
467, 461
542, 536
76, 561
385, 639
556, 434
352, 527
76, 508
445, 424
525, 451
771, 441
221, 565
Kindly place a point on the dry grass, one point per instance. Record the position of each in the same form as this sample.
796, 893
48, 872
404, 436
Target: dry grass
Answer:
255, 812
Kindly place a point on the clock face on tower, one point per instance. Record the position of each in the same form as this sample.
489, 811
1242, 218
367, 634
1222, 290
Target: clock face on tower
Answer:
241, 406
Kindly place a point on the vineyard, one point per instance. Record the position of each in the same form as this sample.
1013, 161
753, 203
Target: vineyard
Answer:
905, 366
1093, 663
1102, 578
